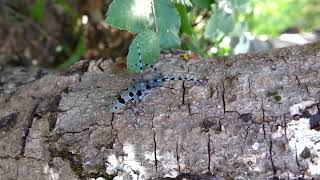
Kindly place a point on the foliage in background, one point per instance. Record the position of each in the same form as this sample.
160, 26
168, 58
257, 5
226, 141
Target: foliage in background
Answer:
77, 53
73, 48
209, 27
37, 10
273, 17
173, 21
73, 52
204, 26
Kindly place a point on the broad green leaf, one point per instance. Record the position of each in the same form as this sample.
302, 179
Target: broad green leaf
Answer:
220, 21
205, 4
131, 15
168, 23
185, 23
148, 42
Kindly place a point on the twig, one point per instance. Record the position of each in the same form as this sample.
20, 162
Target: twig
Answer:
154, 17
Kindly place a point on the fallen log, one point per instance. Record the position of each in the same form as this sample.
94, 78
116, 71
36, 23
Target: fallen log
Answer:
256, 117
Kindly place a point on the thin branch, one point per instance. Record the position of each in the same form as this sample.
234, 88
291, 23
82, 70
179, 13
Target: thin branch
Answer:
154, 17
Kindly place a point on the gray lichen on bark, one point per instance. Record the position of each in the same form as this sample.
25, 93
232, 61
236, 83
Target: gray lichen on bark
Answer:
238, 125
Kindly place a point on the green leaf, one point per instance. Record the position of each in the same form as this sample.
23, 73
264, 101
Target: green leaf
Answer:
37, 10
131, 15
76, 55
185, 23
168, 23
205, 4
220, 21
149, 47
135, 16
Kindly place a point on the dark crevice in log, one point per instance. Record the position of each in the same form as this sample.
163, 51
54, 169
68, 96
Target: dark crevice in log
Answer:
26, 129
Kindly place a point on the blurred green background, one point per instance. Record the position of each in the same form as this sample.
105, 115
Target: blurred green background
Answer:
57, 33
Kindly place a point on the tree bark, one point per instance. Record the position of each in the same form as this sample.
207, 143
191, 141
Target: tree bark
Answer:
257, 117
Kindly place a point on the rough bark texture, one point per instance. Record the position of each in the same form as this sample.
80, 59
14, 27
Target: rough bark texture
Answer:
239, 125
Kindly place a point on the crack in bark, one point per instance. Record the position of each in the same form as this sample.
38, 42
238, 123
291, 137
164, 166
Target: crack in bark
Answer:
220, 124
27, 129
113, 131
297, 79
286, 167
271, 159
223, 99
85, 129
307, 89
209, 152
247, 131
296, 158
183, 93
263, 120
99, 65
178, 157
53, 112
189, 109
249, 85
211, 92
299, 83
264, 131
155, 150
10, 157
285, 128
155, 144
74, 132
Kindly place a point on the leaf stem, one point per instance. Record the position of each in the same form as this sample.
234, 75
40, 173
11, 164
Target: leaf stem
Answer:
154, 17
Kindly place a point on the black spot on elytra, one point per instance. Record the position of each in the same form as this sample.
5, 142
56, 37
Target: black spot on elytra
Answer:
139, 93
148, 87
131, 94
121, 100
179, 78
163, 79
172, 78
